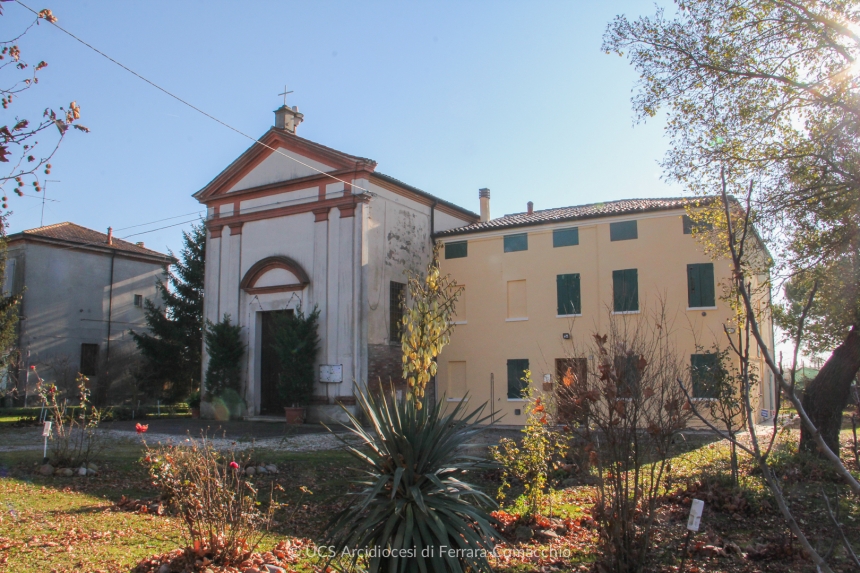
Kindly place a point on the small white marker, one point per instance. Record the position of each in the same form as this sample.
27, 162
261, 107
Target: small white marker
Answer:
695, 515
46, 433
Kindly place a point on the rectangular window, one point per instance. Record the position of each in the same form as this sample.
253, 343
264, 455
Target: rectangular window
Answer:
623, 231
565, 237
516, 374
629, 374
457, 379
396, 304
457, 250
625, 290
699, 226
89, 359
573, 369
138, 300
515, 243
700, 285
517, 301
704, 369
567, 293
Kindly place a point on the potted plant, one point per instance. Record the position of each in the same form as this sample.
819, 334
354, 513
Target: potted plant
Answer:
194, 404
297, 344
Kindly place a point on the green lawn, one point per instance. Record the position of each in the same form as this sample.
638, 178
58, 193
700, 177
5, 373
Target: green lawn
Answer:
69, 524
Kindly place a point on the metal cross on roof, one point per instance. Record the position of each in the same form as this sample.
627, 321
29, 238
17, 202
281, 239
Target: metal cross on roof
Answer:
285, 94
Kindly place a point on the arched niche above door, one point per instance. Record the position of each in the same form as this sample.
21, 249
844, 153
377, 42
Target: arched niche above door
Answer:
274, 274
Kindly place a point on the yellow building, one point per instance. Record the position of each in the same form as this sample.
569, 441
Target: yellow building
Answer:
539, 280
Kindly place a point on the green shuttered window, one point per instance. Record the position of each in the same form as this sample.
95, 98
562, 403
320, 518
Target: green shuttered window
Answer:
700, 285
516, 372
704, 369
565, 237
623, 231
457, 250
567, 290
519, 242
625, 290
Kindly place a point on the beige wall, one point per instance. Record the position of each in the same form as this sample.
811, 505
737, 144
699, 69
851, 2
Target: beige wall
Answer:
510, 309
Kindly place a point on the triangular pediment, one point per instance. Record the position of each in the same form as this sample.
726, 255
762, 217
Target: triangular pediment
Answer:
282, 157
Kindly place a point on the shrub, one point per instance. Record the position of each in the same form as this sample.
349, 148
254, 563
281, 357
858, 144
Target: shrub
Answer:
74, 436
541, 451
217, 504
226, 349
635, 410
297, 344
414, 501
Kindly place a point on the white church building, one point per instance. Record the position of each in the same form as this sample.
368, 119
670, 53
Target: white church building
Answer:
293, 222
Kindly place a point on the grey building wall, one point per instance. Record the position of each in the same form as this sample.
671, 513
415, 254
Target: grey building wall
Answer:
67, 302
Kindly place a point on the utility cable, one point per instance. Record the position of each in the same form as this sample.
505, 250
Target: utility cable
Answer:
195, 108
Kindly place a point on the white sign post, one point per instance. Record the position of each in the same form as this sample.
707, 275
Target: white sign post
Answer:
46, 433
695, 515
693, 522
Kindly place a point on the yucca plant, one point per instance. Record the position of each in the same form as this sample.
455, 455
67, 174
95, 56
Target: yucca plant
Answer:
414, 512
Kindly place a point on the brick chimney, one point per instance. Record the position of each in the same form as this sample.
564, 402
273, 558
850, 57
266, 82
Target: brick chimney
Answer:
484, 198
531, 207
288, 118
110, 236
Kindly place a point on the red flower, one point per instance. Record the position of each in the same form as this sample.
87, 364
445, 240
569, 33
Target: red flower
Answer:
33, 367
141, 428
234, 465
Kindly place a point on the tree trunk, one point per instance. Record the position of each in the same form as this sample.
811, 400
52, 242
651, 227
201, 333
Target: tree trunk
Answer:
826, 396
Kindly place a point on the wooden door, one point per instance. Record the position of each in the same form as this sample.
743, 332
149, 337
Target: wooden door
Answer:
270, 399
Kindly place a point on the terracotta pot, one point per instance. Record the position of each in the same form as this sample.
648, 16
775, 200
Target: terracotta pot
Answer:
295, 415
195, 412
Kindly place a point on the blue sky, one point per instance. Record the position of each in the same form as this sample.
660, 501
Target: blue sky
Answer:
447, 96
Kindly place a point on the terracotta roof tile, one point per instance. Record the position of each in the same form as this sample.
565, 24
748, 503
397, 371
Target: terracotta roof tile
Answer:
72, 233
575, 213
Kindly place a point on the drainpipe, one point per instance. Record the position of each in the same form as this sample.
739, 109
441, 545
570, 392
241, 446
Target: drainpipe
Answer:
432, 223
109, 318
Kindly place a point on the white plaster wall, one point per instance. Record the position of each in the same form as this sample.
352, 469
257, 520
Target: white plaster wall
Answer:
444, 221
279, 200
291, 236
276, 168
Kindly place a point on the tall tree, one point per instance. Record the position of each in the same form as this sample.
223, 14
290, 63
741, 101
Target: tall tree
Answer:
172, 349
18, 146
765, 95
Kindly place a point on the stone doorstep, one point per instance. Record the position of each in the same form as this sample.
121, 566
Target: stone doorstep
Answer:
329, 413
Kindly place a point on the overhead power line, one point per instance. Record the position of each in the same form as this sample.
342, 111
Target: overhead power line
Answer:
195, 108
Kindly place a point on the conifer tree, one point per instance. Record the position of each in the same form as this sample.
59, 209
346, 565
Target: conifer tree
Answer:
172, 349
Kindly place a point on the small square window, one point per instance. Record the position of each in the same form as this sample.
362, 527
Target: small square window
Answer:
519, 242
699, 226
456, 250
138, 300
623, 231
565, 237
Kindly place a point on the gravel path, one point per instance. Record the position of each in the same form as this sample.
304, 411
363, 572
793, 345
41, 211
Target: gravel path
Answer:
24, 439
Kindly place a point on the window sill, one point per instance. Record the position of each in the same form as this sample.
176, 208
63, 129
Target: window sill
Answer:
456, 399
704, 399
567, 315
458, 322
701, 308
626, 312
517, 400
516, 319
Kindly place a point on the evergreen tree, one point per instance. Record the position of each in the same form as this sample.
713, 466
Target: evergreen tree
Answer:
172, 349
225, 348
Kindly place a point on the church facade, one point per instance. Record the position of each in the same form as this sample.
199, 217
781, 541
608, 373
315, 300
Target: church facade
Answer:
291, 225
